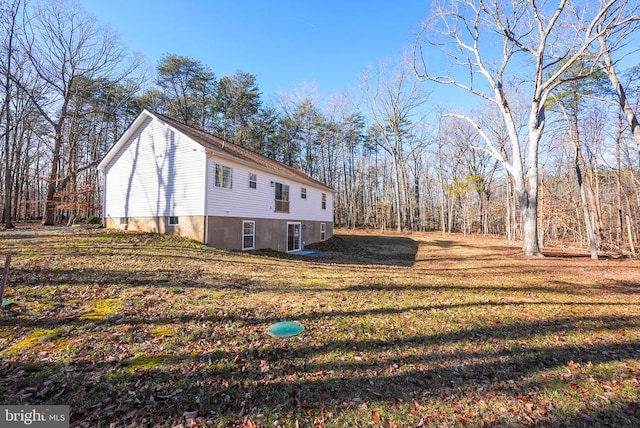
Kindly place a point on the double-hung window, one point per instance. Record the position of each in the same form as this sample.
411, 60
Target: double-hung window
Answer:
282, 198
324, 201
224, 176
248, 235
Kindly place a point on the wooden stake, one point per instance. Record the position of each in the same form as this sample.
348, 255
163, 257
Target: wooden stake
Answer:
5, 276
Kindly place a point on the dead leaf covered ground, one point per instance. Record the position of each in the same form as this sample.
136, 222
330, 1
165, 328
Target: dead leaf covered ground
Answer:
401, 330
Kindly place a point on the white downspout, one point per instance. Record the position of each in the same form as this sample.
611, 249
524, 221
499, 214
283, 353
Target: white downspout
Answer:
103, 176
206, 197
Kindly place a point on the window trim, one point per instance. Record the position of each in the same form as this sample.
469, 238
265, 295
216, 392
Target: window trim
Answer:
253, 235
323, 231
175, 222
124, 221
216, 182
303, 193
324, 201
253, 181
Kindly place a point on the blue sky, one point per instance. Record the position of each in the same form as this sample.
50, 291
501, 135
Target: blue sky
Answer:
285, 43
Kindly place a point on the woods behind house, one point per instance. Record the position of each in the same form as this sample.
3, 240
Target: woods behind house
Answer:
397, 159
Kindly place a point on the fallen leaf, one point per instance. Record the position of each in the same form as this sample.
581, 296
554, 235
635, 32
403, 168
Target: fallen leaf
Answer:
190, 415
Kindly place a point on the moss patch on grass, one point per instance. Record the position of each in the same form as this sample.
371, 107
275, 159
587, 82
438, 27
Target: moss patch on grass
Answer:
100, 309
147, 362
163, 330
32, 340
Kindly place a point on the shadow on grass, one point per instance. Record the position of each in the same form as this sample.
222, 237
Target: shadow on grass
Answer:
440, 243
247, 317
294, 379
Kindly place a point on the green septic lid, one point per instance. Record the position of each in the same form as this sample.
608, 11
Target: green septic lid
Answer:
7, 303
285, 329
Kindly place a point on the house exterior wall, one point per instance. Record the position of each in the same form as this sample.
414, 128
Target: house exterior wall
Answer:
226, 232
158, 173
244, 201
227, 208
192, 227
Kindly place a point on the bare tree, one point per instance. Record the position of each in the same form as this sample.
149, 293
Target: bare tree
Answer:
63, 44
10, 14
394, 99
532, 37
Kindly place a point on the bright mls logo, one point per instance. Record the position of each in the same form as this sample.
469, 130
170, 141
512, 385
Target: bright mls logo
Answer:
34, 416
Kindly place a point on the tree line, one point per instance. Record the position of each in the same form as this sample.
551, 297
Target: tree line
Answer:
550, 152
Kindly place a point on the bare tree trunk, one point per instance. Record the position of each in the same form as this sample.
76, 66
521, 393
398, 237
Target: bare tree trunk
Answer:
591, 237
443, 204
417, 211
619, 217
526, 183
508, 215
541, 213
630, 233
529, 217
48, 218
398, 199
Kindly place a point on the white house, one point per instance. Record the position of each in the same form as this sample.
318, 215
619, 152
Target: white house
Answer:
166, 177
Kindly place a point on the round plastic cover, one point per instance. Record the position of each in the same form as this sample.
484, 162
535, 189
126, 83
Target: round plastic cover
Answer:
285, 329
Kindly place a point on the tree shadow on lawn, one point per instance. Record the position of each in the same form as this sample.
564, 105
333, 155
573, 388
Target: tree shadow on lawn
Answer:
304, 376
441, 243
249, 318
283, 377
170, 277
78, 284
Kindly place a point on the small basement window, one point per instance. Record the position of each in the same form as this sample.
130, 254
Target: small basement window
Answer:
173, 220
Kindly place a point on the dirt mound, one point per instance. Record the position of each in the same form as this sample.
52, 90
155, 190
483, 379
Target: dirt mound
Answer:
374, 249
334, 244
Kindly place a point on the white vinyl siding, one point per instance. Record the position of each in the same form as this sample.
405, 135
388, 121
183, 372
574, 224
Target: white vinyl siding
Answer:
243, 201
158, 173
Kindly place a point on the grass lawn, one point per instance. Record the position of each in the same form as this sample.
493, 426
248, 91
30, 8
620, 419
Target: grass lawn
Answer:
401, 330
